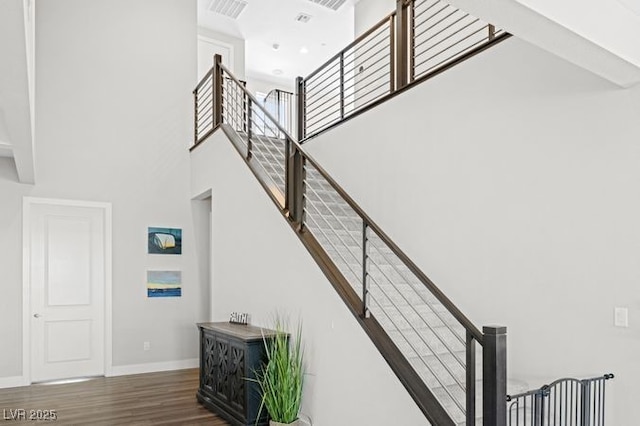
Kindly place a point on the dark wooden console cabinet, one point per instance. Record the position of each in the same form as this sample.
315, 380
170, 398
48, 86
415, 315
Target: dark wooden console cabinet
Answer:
229, 355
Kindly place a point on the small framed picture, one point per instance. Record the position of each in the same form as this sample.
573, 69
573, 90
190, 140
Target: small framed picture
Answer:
164, 240
164, 283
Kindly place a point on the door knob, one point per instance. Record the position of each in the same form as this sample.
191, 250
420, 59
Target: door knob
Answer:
36, 315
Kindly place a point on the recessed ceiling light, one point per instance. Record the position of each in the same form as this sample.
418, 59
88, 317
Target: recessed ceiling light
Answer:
277, 71
304, 50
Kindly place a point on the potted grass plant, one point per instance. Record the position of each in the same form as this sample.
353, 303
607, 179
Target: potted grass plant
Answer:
280, 380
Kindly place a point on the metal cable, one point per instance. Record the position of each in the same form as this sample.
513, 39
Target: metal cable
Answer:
443, 386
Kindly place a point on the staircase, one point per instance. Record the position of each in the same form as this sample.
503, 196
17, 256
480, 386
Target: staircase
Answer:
455, 373
436, 352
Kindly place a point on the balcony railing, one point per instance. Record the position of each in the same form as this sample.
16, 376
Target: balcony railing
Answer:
414, 43
281, 104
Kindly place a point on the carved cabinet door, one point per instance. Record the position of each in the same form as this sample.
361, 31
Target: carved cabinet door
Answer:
207, 363
221, 368
237, 377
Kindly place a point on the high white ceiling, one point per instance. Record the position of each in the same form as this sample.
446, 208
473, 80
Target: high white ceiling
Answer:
264, 23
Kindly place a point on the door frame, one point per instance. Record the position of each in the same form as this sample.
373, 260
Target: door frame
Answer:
27, 202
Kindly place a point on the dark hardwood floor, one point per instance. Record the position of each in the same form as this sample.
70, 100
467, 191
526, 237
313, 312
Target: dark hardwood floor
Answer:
167, 398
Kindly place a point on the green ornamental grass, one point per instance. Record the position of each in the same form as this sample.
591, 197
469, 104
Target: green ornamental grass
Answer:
281, 379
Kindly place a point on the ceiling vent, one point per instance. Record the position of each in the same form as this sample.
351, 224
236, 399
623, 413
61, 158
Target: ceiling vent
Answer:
331, 4
229, 8
303, 17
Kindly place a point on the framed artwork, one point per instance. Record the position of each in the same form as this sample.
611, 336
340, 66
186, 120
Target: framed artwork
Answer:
164, 283
164, 240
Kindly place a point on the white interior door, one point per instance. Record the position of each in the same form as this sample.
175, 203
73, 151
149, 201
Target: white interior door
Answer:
67, 296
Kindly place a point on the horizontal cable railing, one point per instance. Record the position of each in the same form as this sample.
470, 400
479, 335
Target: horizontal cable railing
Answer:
203, 114
442, 33
565, 402
358, 75
438, 341
264, 140
415, 42
440, 345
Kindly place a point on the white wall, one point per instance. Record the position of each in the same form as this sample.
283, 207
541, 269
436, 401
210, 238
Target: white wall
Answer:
367, 13
512, 181
113, 124
260, 267
613, 25
237, 44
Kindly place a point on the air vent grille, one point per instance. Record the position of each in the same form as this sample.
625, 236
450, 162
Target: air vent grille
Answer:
331, 4
229, 8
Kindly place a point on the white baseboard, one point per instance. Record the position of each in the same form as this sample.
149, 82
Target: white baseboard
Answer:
12, 382
152, 367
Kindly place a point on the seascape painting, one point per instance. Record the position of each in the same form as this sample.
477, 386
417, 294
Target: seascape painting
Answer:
164, 283
164, 240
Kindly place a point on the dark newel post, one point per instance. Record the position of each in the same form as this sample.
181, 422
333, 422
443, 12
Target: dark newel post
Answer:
287, 175
290, 187
300, 95
249, 125
195, 116
295, 187
341, 84
392, 53
494, 376
301, 188
217, 90
471, 378
402, 43
365, 281
278, 111
492, 32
